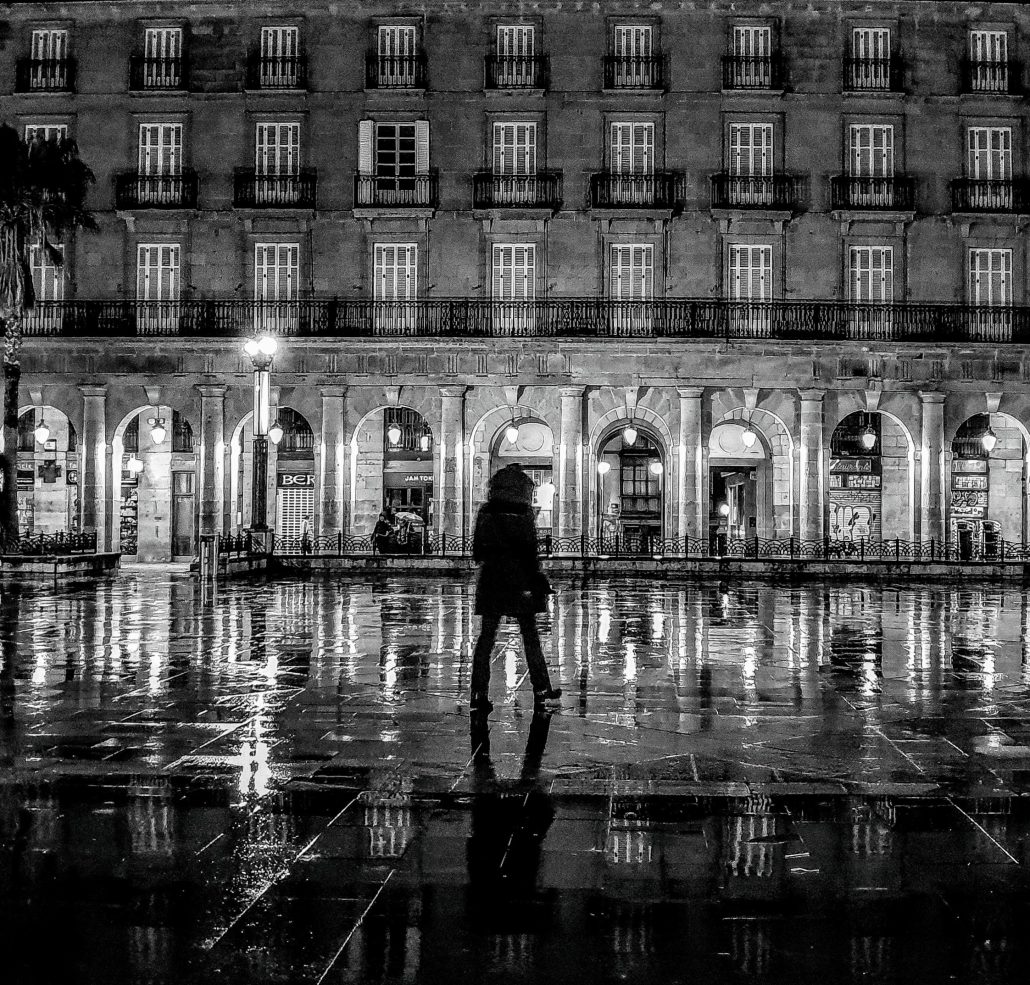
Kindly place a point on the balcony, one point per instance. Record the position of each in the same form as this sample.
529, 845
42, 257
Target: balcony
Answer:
155, 191
666, 318
872, 75
286, 72
515, 72
542, 190
751, 73
618, 190
413, 191
45, 75
158, 74
273, 191
989, 78
395, 71
978, 195
634, 72
776, 192
896, 193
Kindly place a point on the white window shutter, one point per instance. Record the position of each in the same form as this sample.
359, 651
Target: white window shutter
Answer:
365, 137
422, 146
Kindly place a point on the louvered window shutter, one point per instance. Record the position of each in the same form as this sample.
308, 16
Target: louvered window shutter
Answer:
422, 146
365, 137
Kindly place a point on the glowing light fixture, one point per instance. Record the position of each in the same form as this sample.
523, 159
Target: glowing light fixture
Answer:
512, 433
275, 433
393, 434
748, 437
656, 468
724, 509
423, 442
42, 432
263, 345
629, 434
603, 468
989, 439
868, 439
134, 465
157, 429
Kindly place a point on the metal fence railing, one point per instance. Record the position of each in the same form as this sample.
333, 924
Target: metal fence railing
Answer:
33, 545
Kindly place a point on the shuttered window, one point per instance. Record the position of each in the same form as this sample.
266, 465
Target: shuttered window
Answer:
279, 43
752, 42
632, 272
47, 277
515, 41
633, 41
872, 274
157, 272
395, 277
160, 148
750, 272
989, 46
393, 149
276, 271
277, 148
514, 272
397, 55
162, 43
632, 148
514, 148
990, 277
989, 153
751, 149
871, 153
49, 45
45, 131
871, 43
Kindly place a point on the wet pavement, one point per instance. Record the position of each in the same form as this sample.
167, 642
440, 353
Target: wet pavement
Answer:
282, 783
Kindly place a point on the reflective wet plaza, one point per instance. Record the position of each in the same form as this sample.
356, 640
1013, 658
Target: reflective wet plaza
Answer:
281, 783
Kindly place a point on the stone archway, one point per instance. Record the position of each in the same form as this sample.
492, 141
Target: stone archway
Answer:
48, 472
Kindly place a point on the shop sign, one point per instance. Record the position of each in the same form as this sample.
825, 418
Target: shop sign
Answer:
972, 512
969, 465
296, 480
863, 482
969, 497
851, 465
969, 482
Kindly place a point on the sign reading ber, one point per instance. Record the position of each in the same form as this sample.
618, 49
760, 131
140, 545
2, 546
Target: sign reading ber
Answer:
296, 480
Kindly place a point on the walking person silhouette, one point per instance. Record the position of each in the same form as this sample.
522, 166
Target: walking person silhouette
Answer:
510, 582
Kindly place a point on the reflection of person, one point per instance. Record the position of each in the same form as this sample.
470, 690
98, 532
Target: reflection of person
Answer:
510, 581
381, 534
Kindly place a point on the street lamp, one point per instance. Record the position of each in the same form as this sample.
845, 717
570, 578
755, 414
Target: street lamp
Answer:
42, 432
157, 429
512, 432
629, 434
393, 435
748, 437
134, 464
989, 439
260, 350
868, 438
603, 468
275, 433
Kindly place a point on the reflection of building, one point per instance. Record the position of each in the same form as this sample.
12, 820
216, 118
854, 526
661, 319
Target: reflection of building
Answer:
565, 254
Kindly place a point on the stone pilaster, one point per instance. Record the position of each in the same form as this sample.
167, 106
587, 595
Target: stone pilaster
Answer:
212, 459
931, 493
450, 514
811, 466
93, 470
690, 485
570, 470
333, 483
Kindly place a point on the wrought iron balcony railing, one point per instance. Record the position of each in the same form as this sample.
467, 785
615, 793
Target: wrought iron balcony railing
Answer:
409, 191
978, 195
517, 71
873, 74
634, 72
45, 75
669, 318
750, 72
629, 190
782, 192
158, 73
395, 71
897, 192
155, 191
998, 78
542, 190
285, 72
274, 191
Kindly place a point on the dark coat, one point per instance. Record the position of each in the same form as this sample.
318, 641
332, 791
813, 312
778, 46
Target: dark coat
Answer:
504, 545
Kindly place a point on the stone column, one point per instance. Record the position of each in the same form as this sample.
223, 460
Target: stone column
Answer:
931, 493
93, 470
212, 459
690, 489
450, 514
335, 458
570, 470
811, 466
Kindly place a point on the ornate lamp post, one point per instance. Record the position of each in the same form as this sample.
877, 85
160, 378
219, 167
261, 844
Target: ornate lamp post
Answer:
261, 350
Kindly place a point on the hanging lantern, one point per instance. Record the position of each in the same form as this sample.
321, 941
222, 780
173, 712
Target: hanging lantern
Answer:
629, 434
748, 437
989, 439
724, 509
42, 432
868, 439
275, 433
393, 434
157, 429
512, 433
423, 442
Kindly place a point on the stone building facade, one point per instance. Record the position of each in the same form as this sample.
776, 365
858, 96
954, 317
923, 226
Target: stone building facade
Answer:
782, 243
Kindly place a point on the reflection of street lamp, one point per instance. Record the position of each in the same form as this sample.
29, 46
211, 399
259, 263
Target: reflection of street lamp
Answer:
603, 468
989, 439
724, 509
42, 432
261, 350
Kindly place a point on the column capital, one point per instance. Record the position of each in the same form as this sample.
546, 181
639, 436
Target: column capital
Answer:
94, 391
932, 396
691, 392
334, 390
574, 392
453, 390
212, 390
812, 395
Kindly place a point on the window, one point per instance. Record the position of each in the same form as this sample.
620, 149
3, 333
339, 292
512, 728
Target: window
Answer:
871, 164
160, 148
48, 59
516, 57
279, 51
395, 157
45, 131
989, 167
514, 283
751, 63
47, 276
396, 52
514, 148
633, 64
750, 148
277, 163
157, 287
989, 61
49, 45
869, 66
750, 281
276, 275
395, 286
632, 148
162, 54
631, 284
870, 284
990, 287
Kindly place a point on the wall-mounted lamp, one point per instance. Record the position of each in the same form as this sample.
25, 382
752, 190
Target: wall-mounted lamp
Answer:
393, 434
629, 434
275, 432
42, 432
603, 468
157, 429
989, 439
134, 465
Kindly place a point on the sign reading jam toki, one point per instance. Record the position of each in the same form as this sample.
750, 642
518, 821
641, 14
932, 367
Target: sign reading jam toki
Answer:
296, 480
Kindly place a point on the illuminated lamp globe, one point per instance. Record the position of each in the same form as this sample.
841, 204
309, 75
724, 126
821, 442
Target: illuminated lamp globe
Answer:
724, 509
250, 347
989, 439
603, 468
748, 438
42, 432
629, 434
267, 345
423, 442
157, 430
512, 433
868, 439
134, 465
393, 434
656, 468
275, 433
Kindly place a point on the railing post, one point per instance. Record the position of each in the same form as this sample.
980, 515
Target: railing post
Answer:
792, 547
339, 544
897, 548
1003, 552
861, 549
826, 547
756, 547
933, 549
582, 545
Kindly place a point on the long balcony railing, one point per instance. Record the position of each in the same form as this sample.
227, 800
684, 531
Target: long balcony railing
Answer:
979, 195
783, 192
873, 74
897, 192
412, 191
999, 78
45, 75
752, 72
395, 71
274, 191
634, 71
284, 72
517, 71
629, 190
670, 318
542, 190
158, 73
155, 191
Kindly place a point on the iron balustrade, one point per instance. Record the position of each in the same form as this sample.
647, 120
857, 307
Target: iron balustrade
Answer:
277, 72
403, 191
591, 318
752, 72
61, 543
156, 191
989, 77
979, 195
542, 190
634, 71
629, 190
45, 75
395, 71
771, 191
873, 74
517, 71
897, 192
274, 191
157, 73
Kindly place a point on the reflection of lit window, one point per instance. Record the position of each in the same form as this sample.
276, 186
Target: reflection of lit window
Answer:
150, 818
742, 856
389, 828
629, 847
